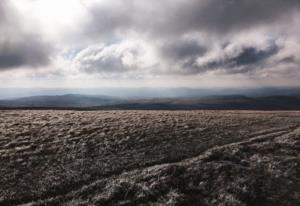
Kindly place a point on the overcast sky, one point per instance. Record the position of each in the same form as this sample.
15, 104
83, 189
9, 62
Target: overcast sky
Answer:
165, 43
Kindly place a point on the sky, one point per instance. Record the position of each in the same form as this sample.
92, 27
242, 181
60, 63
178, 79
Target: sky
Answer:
144, 43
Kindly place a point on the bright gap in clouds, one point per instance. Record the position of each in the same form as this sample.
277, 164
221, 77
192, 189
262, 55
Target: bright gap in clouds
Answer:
54, 16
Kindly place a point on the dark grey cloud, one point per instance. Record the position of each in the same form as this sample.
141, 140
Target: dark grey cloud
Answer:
108, 19
179, 17
288, 59
183, 49
183, 53
253, 55
170, 23
219, 16
248, 59
28, 52
17, 47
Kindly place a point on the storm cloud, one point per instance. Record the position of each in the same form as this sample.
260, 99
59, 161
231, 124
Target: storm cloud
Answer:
152, 38
179, 17
248, 56
19, 48
185, 32
28, 52
183, 49
219, 16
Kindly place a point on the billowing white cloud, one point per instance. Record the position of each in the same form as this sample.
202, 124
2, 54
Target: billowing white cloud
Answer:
127, 56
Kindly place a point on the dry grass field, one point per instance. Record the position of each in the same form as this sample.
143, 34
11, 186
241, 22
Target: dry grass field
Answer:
149, 158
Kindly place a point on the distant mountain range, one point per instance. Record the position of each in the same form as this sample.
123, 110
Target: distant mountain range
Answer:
97, 102
60, 101
150, 93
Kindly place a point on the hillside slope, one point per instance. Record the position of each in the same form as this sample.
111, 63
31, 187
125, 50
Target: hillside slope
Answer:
149, 158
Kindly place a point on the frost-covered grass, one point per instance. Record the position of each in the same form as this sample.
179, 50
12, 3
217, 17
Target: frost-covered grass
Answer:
149, 157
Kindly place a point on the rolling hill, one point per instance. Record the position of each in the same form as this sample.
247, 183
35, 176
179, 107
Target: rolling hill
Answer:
59, 101
97, 102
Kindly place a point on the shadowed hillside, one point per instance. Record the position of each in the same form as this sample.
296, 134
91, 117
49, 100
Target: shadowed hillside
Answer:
92, 102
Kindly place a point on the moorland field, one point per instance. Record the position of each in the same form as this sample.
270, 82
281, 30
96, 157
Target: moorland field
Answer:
149, 158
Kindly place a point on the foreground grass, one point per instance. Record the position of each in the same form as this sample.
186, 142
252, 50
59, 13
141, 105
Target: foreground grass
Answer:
149, 158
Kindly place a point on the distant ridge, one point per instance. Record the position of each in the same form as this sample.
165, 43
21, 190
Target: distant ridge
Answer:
101, 102
146, 93
60, 101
